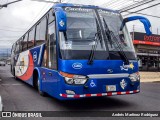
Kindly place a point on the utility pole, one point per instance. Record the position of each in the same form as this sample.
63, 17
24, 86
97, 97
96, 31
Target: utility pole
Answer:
151, 29
7, 53
5, 5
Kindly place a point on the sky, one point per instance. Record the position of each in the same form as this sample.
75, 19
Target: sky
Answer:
17, 18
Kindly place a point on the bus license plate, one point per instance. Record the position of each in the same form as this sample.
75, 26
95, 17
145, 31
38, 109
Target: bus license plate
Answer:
111, 88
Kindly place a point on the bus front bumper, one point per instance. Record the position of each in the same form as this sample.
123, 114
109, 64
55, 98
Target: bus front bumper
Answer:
99, 94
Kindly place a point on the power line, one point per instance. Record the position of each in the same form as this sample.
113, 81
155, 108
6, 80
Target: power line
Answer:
48, 1
120, 4
6, 37
36, 16
143, 8
6, 40
123, 3
143, 14
11, 30
1, 27
5, 5
109, 3
136, 5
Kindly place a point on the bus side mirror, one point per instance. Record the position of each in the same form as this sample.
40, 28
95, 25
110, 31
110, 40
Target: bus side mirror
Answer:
61, 19
145, 21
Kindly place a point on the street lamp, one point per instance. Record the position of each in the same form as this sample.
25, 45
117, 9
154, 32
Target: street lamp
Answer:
5, 5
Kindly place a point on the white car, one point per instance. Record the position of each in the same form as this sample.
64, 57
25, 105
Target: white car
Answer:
2, 63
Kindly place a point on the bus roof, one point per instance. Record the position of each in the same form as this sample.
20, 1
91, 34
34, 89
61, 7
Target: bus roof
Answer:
81, 5
69, 5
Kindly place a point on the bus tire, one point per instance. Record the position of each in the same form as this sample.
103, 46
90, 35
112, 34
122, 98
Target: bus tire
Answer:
39, 91
36, 83
14, 75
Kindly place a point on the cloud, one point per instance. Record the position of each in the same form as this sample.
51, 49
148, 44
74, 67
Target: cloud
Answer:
18, 17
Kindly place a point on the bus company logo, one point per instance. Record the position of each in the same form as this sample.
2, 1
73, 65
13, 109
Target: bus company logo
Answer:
123, 84
77, 9
110, 71
61, 23
127, 67
35, 56
77, 65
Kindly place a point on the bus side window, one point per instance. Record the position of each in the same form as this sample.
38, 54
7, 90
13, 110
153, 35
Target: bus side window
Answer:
52, 61
41, 32
51, 17
31, 38
21, 45
25, 42
37, 42
13, 49
17, 47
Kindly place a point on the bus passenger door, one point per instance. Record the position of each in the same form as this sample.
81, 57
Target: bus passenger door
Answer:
50, 83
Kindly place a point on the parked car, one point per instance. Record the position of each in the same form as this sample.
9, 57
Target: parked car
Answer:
2, 63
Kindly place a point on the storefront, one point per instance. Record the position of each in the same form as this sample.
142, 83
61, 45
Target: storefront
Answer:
148, 51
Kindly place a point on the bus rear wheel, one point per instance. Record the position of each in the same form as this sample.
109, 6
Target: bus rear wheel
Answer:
14, 74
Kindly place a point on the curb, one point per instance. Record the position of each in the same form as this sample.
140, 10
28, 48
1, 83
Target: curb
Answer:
150, 81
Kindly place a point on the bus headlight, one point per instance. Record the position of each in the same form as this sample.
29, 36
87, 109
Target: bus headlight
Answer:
74, 79
69, 80
134, 77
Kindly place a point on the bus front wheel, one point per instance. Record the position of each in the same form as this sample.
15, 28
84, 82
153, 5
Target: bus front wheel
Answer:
38, 87
37, 83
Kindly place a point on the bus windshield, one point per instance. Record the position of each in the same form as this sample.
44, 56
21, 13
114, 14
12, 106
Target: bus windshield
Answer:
82, 26
114, 22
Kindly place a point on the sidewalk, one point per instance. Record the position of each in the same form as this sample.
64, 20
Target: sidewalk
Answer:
150, 76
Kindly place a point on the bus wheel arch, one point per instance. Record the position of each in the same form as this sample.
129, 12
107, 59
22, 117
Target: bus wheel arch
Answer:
36, 82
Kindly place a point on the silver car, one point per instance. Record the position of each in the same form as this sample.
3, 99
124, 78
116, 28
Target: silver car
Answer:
2, 63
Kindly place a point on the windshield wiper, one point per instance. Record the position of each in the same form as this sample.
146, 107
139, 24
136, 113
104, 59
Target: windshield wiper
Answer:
94, 46
97, 37
109, 35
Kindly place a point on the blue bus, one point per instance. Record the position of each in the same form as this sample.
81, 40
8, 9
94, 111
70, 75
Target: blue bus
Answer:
78, 51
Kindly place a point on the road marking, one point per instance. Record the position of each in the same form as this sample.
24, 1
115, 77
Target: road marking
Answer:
16, 84
10, 84
1, 104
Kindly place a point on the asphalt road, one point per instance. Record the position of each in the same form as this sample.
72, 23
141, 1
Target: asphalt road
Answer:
18, 96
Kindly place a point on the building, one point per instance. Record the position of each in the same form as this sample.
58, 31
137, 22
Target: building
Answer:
148, 51
5, 53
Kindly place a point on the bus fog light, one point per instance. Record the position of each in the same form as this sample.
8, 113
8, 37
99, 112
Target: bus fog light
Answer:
80, 81
70, 92
134, 77
69, 80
